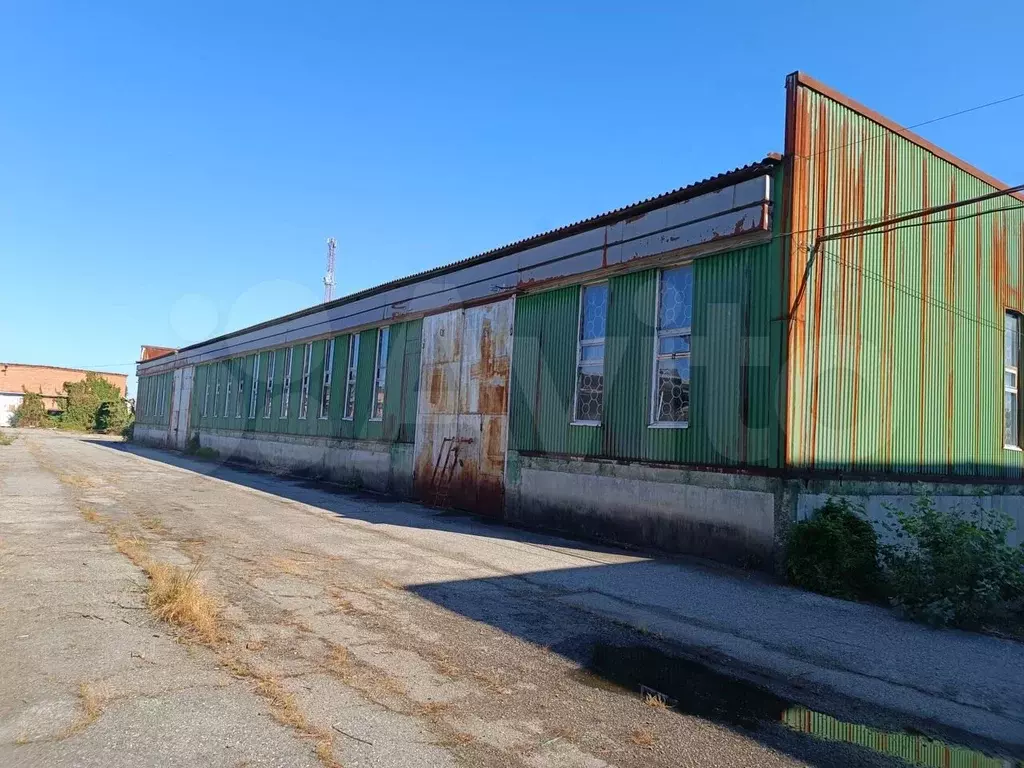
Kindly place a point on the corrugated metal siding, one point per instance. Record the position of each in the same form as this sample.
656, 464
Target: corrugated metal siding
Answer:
913, 748
153, 390
895, 352
734, 368
399, 392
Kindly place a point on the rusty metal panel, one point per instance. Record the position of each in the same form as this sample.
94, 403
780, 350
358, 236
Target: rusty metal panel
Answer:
462, 421
895, 350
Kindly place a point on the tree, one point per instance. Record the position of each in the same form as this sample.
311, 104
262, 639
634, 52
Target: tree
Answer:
30, 412
85, 399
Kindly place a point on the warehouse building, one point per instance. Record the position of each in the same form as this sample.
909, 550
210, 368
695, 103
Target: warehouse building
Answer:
692, 372
47, 380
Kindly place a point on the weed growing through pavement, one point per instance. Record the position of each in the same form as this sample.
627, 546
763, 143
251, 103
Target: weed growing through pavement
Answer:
642, 737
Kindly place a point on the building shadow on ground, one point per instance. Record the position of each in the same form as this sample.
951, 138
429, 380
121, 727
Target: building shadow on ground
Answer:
537, 607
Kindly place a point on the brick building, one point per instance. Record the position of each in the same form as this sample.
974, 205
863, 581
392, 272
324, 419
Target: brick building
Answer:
47, 380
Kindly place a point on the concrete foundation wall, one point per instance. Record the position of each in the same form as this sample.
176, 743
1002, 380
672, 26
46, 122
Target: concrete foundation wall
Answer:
363, 463
155, 436
722, 515
877, 498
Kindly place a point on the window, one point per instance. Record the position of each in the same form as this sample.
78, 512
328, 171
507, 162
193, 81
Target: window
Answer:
206, 391
216, 393
268, 395
1011, 372
228, 387
589, 399
286, 384
350, 376
307, 354
380, 372
255, 391
670, 402
325, 389
239, 386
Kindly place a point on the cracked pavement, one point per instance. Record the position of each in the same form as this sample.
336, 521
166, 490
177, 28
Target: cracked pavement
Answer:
402, 633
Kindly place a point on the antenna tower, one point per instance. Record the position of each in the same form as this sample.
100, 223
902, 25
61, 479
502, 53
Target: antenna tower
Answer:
329, 276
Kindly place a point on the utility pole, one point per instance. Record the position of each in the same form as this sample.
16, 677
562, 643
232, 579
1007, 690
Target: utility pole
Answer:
329, 276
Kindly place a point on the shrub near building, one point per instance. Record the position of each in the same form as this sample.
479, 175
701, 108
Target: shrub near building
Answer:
945, 568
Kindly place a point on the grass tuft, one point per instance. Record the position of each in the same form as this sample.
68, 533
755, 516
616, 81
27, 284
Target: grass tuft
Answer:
177, 596
6, 439
92, 699
91, 515
643, 737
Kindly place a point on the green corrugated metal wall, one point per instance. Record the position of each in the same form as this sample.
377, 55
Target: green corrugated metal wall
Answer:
895, 356
153, 400
913, 748
400, 390
733, 292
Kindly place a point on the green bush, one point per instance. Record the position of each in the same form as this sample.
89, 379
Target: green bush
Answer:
30, 412
835, 552
113, 417
954, 568
85, 398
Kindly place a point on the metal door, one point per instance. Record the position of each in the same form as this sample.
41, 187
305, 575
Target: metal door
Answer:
181, 406
462, 414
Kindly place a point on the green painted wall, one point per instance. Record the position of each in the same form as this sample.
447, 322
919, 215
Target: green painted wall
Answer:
153, 400
896, 350
734, 383
400, 391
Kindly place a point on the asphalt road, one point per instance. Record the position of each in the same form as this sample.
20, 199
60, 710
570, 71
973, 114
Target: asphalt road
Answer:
396, 635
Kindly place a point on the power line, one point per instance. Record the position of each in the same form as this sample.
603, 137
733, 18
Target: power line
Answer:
908, 128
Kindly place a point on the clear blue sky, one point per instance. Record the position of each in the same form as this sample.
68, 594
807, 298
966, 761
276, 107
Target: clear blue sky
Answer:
170, 170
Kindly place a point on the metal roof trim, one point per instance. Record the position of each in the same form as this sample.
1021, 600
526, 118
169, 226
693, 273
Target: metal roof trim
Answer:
802, 78
709, 184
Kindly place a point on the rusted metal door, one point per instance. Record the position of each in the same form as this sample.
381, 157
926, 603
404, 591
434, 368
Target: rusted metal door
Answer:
463, 408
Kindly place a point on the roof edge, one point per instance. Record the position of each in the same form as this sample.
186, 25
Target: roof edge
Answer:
802, 78
65, 368
710, 184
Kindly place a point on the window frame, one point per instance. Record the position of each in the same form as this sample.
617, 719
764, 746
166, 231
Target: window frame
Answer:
1015, 370
653, 421
206, 393
254, 390
351, 372
380, 374
307, 365
239, 386
268, 390
327, 382
228, 387
216, 392
580, 344
286, 383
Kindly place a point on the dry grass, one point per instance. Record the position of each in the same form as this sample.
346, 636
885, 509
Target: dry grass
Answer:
91, 515
456, 739
174, 594
337, 661
6, 439
643, 737
78, 481
433, 710
287, 565
92, 699
131, 546
283, 706
153, 524
655, 701
177, 596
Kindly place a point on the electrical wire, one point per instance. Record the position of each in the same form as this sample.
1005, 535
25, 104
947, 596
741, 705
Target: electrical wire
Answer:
909, 128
